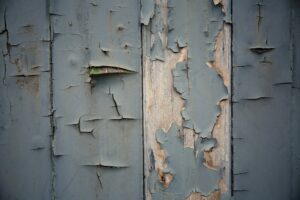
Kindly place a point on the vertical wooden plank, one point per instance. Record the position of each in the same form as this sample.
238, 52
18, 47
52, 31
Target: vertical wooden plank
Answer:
295, 8
262, 77
25, 170
97, 99
187, 76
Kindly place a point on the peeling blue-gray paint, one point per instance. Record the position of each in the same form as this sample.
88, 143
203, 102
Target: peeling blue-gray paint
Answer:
79, 128
147, 11
186, 167
195, 26
157, 50
200, 86
201, 109
181, 82
95, 71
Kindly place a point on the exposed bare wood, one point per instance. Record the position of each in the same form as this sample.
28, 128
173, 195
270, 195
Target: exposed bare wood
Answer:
219, 156
198, 196
162, 104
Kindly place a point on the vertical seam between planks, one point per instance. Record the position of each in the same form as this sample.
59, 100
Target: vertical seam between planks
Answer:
142, 87
231, 103
51, 116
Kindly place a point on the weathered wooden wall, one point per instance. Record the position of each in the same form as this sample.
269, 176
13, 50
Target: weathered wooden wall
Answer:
149, 99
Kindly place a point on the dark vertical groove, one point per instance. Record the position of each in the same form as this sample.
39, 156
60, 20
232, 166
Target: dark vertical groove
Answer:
51, 116
231, 106
142, 81
4, 61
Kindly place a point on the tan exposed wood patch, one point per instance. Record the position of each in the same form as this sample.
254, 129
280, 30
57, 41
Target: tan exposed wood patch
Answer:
216, 195
162, 104
219, 156
189, 138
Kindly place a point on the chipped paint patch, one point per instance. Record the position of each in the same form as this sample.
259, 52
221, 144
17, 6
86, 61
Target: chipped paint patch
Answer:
30, 83
185, 167
221, 62
102, 70
219, 157
147, 11
216, 195
217, 2
162, 104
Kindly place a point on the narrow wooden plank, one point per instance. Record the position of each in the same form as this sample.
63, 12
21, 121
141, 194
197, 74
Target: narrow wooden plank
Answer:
25, 170
171, 51
98, 136
262, 88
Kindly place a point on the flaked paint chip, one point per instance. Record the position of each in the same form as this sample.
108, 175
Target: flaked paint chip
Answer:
102, 70
261, 49
147, 11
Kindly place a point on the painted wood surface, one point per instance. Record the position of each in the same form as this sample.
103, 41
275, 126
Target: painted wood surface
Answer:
149, 99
